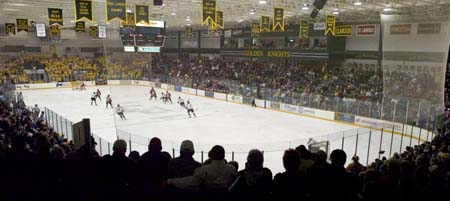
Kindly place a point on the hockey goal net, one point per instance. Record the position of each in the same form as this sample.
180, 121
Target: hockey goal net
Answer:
77, 85
314, 146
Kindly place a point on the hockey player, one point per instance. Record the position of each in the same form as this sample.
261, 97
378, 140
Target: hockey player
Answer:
109, 101
119, 111
153, 94
98, 94
94, 99
190, 109
163, 97
253, 103
168, 97
181, 102
82, 86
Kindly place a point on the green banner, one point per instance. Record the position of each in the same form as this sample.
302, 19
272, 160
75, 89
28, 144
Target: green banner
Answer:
55, 16
188, 32
264, 25
80, 26
219, 20
255, 29
116, 9
304, 29
330, 24
83, 10
141, 15
93, 31
278, 19
343, 30
209, 12
10, 28
22, 25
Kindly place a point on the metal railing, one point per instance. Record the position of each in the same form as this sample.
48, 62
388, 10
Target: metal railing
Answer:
59, 123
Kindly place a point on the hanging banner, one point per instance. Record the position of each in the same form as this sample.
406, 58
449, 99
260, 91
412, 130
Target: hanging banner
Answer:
219, 20
319, 26
264, 24
330, 24
55, 16
255, 29
343, 30
116, 9
130, 19
188, 32
93, 31
208, 12
304, 29
141, 15
55, 32
80, 26
10, 28
22, 25
83, 10
278, 19
102, 31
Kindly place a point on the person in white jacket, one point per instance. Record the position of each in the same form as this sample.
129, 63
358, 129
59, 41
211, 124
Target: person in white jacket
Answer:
216, 176
119, 111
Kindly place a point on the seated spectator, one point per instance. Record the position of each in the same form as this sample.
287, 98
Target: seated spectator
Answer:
235, 164
134, 156
213, 178
291, 183
306, 161
184, 165
255, 181
355, 167
343, 185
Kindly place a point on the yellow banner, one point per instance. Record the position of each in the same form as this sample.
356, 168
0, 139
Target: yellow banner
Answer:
141, 14
80, 26
55, 16
83, 10
219, 23
330, 24
54, 31
93, 31
264, 24
343, 31
188, 32
255, 29
278, 19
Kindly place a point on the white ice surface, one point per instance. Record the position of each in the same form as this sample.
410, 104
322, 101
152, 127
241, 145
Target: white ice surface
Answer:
237, 127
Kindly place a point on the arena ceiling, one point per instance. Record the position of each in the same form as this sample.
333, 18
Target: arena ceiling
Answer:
179, 13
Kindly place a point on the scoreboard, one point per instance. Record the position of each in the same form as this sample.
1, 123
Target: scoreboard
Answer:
144, 36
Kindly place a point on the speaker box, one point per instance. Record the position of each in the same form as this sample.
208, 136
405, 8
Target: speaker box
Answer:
314, 13
157, 2
319, 4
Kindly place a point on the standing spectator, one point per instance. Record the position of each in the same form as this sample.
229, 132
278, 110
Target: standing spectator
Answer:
255, 181
184, 165
355, 167
292, 183
153, 166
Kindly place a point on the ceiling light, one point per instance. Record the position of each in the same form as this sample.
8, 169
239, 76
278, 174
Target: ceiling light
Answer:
17, 4
335, 13
9, 9
72, 21
357, 3
173, 13
305, 7
252, 12
262, 2
129, 11
188, 24
241, 20
188, 19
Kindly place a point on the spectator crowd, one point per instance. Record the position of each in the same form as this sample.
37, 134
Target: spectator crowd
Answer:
38, 163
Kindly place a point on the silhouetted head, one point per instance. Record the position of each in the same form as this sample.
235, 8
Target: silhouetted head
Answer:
255, 159
217, 153
155, 145
291, 160
338, 158
119, 147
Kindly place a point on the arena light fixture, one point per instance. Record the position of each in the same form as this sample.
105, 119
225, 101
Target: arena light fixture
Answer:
335, 12
305, 7
129, 11
357, 3
252, 12
173, 13
262, 2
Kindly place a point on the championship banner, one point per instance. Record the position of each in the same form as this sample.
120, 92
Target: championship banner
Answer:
55, 16
10, 28
255, 29
130, 19
116, 9
83, 10
80, 26
278, 19
141, 15
219, 20
93, 31
208, 12
330, 24
188, 32
304, 29
343, 30
264, 24
22, 25
55, 32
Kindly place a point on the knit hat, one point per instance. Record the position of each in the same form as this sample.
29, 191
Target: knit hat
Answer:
155, 144
187, 146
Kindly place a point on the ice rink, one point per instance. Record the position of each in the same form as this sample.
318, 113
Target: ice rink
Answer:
237, 127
